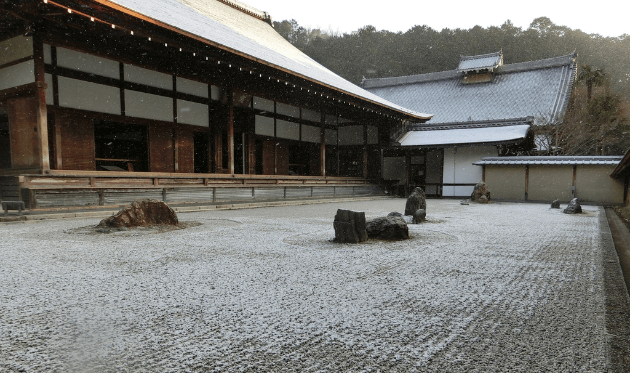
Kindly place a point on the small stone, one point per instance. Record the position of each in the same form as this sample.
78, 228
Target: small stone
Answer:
480, 194
419, 216
574, 207
395, 213
350, 226
555, 204
417, 200
388, 228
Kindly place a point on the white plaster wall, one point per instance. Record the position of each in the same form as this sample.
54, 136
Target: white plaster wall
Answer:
311, 134
17, 75
287, 130
331, 137
135, 74
263, 104
372, 135
15, 48
87, 63
192, 87
459, 168
148, 106
313, 116
192, 113
79, 94
351, 135
264, 126
288, 110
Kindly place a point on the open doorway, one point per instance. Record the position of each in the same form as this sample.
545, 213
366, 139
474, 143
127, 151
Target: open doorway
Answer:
120, 147
202, 152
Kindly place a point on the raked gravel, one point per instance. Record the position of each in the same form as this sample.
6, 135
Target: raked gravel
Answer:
479, 288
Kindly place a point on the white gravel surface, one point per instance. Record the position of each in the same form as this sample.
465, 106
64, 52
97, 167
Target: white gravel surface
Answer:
499, 287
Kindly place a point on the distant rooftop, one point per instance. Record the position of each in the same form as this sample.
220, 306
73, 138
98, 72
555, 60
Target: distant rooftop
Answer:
539, 88
480, 62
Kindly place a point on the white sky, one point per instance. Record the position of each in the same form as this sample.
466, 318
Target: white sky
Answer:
604, 17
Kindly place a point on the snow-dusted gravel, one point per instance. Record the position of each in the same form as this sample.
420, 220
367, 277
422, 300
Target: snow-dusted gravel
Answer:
499, 287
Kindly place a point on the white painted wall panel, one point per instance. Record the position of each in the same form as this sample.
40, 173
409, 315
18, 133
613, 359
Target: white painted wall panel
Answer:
372, 135
311, 134
50, 99
15, 48
263, 104
287, 130
135, 74
351, 135
312, 115
192, 87
331, 120
17, 75
264, 126
289, 110
216, 92
87, 63
459, 168
47, 54
145, 105
192, 113
79, 94
331, 137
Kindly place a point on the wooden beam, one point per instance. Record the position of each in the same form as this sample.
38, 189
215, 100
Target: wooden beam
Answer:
42, 111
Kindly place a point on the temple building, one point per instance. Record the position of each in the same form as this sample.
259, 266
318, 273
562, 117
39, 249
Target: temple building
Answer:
104, 101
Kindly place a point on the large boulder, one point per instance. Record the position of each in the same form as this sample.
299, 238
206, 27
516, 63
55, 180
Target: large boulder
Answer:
574, 207
480, 194
141, 213
419, 216
350, 226
387, 228
417, 200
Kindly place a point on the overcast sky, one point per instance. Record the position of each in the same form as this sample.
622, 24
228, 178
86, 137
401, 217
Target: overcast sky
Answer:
604, 17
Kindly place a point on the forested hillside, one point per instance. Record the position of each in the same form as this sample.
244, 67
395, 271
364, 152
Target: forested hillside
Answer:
375, 53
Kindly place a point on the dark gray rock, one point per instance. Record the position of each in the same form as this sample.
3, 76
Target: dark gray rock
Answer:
395, 213
350, 226
555, 204
417, 200
419, 216
480, 194
574, 207
388, 228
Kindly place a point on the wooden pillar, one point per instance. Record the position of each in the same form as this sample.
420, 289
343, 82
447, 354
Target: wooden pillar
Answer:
573, 191
322, 145
230, 129
483, 173
42, 112
407, 172
365, 152
58, 149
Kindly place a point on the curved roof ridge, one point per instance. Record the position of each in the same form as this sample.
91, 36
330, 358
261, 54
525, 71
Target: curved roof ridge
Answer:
246, 9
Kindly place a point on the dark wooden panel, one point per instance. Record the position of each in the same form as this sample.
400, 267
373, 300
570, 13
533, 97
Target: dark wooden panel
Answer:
268, 158
282, 158
161, 155
314, 159
23, 132
77, 142
186, 149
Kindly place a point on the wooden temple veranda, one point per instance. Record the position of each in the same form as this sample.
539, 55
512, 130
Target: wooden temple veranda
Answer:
103, 102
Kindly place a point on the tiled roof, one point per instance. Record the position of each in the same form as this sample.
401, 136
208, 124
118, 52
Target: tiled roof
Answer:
623, 168
538, 88
488, 61
551, 160
237, 28
482, 132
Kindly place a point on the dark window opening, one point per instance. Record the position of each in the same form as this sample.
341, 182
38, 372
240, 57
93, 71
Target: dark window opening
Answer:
351, 162
202, 147
259, 157
298, 159
5, 141
332, 168
120, 147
